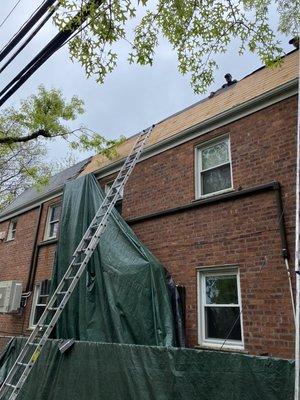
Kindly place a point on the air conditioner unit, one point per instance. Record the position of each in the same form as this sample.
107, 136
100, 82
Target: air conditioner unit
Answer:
10, 296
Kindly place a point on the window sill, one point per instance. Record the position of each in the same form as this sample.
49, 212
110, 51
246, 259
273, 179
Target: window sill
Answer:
49, 241
206, 196
9, 240
227, 349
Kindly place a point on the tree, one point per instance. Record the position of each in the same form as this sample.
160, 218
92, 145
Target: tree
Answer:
23, 132
197, 30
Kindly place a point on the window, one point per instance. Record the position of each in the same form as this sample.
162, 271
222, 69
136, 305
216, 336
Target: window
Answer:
213, 162
219, 307
52, 224
40, 298
11, 233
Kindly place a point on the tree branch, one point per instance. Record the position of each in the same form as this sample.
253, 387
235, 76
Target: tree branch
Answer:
23, 139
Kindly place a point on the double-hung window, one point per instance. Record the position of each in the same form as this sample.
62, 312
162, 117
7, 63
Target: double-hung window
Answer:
52, 224
39, 301
219, 308
213, 163
11, 233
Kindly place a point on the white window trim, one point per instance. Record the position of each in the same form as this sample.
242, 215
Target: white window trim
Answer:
47, 227
9, 236
217, 343
198, 170
36, 293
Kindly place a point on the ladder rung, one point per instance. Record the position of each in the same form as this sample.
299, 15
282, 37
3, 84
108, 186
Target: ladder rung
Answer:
69, 277
32, 344
11, 385
62, 293
53, 308
22, 364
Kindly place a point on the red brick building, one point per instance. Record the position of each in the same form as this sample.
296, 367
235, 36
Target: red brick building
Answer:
213, 197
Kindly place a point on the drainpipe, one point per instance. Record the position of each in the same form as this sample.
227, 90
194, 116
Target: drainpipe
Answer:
284, 248
34, 253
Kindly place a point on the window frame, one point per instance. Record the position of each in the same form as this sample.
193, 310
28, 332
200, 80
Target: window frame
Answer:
11, 232
216, 344
198, 166
48, 222
36, 295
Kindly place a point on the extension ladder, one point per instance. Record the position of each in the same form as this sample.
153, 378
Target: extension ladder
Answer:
80, 258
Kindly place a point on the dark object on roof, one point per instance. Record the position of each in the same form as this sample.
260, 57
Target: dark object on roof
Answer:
56, 182
229, 81
295, 42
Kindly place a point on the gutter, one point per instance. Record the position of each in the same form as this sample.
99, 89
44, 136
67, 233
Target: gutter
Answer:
254, 190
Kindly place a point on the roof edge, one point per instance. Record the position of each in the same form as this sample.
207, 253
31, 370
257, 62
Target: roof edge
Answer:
260, 102
253, 105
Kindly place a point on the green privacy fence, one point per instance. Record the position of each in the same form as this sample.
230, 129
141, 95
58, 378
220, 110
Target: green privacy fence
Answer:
106, 371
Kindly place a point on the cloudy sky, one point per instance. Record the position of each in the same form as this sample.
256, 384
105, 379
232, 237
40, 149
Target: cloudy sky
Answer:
131, 98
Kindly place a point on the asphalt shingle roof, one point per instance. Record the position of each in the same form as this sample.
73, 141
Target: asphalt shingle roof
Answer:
56, 181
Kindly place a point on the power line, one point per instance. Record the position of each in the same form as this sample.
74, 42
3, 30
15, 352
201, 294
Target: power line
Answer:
28, 40
25, 28
9, 14
54, 45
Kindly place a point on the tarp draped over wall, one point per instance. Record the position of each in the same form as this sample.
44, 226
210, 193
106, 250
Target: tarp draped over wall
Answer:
93, 371
122, 297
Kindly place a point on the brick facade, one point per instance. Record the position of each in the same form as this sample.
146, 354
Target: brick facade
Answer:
243, 231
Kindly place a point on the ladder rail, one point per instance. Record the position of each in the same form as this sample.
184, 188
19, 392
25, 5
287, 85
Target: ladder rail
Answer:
61, 295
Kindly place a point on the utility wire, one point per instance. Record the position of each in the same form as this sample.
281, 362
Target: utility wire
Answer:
25, 28
54, 45
28, 40
9, 14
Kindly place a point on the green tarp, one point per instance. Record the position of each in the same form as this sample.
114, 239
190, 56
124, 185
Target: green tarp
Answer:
123, 296
105, 371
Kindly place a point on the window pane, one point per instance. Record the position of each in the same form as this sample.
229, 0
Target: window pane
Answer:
53, 229
215, 155
221, 289
219, 322
216, 179
55, 213
38, 313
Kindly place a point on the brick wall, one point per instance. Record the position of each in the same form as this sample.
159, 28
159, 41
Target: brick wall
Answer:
241, 232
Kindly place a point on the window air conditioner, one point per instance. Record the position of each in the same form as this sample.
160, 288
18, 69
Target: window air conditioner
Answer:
10, 296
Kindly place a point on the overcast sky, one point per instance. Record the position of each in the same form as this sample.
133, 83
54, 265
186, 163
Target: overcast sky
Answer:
131, 98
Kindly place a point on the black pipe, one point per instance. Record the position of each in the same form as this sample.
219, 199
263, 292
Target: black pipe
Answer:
272, 186
281, 222
29, 285
26, 28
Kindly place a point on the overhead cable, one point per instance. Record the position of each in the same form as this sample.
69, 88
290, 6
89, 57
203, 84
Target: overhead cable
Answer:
9, 14
55, 44
32, 20
30, 37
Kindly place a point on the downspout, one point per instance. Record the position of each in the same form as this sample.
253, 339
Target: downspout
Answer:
284, 248
34, 253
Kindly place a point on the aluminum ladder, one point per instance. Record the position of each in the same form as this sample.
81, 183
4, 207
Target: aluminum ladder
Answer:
19, 372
